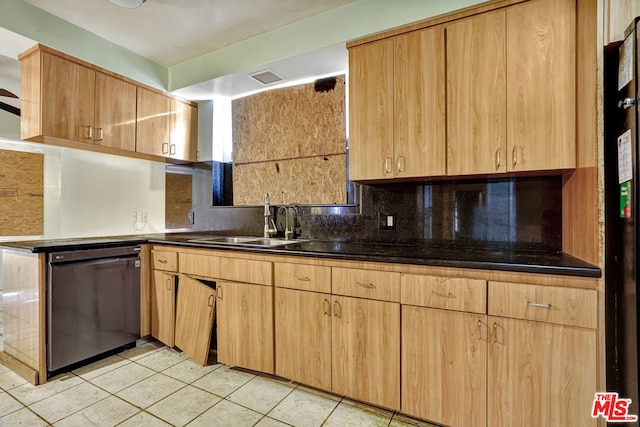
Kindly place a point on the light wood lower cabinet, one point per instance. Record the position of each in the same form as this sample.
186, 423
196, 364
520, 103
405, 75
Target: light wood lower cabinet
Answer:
195, 309
245, 326
366, 350
163, 307
540, 374
444, 365
303, 337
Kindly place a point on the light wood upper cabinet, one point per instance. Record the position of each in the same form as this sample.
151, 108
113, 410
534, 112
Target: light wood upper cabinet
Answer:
510, 96
115, 113
541, 70
540, 374
183, 133
78, 103
195, 309
153, 123
444, 356
68, 99
245, 326
371, 111
397, 107
476, 95
303, 337
166, 127
366, 350
419, 104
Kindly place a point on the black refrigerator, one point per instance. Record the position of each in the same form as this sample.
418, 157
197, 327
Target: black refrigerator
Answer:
621, 122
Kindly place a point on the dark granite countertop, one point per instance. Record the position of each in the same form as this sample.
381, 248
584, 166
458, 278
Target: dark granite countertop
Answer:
490, 258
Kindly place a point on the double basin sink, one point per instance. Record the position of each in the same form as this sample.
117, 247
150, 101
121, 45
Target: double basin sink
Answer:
259, 242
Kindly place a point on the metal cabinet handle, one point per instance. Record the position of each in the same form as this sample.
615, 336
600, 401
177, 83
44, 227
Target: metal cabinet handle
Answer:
626, 103
89, 132
479, 330
498, 158
387, 162
100, 134
172, 149
514, 154
302, 278
210, 300
168, 284
165, 148
442, 294
326, 307
366, 285
495, 332
219, 292
337, 309
162, 261
400, 164
538, 304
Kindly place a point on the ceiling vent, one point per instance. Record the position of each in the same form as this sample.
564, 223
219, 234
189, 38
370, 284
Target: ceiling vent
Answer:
266, 77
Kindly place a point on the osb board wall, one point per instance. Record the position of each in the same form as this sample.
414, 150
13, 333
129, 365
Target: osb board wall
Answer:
290, 143
21, 193
303, 181
178, 200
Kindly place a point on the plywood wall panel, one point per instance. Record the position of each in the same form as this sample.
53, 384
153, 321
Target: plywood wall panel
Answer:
21, 193
295, 128
178, 200
310, 180
288, 123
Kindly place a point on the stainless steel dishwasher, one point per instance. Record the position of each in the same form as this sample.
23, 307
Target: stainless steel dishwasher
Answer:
93, 303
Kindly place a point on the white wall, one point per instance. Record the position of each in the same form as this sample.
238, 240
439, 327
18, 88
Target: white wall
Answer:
9, 125
92, 194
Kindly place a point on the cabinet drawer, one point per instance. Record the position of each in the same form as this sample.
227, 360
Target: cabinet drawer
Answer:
247, 271
444, 292
304, 277
200, 265
565, 306
380, 285
165, 260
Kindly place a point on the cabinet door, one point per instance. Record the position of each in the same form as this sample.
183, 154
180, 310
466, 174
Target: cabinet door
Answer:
419, 104
476, 98
163, 306
371, 111
184, 131
245, 326
540, 374
115, 121
153, 121
366, 350
195, 309
444, 355
68, 98
303, 337
541, 85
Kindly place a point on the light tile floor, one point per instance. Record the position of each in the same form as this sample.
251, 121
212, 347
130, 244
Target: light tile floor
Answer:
153, 385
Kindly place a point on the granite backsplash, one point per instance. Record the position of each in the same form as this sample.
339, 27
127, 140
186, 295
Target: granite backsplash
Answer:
522, 213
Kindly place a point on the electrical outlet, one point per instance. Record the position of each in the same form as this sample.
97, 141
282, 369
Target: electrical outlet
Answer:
143, 216
192, 217
386, 221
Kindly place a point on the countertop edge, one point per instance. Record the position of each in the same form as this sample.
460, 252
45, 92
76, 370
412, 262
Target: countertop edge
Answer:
586, 270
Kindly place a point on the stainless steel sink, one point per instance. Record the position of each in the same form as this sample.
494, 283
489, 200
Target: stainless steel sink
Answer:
246, 241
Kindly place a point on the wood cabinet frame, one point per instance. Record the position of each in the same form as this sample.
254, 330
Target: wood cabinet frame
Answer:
83, 89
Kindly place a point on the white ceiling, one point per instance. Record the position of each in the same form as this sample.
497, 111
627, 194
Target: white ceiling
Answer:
172, 31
